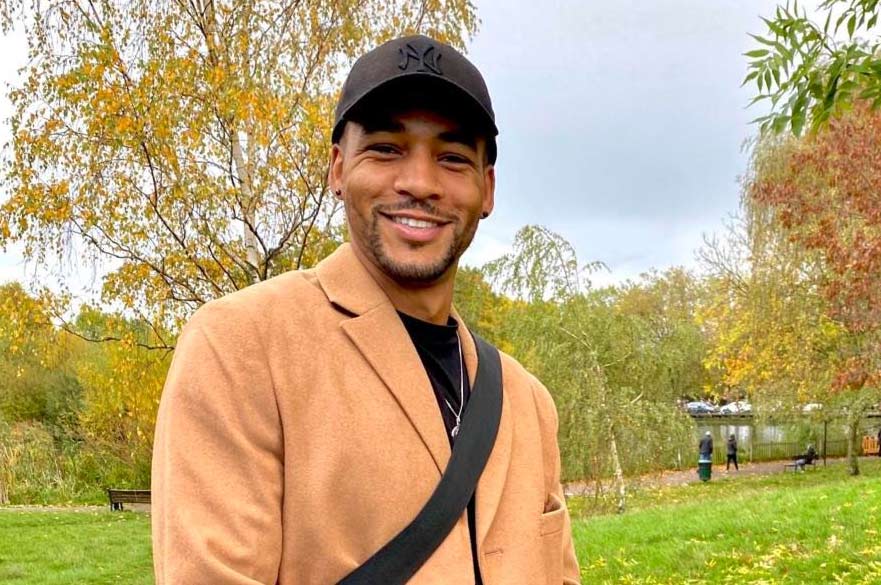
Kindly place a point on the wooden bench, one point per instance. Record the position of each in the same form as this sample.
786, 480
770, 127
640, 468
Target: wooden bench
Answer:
870, 446
120, 497
794, 466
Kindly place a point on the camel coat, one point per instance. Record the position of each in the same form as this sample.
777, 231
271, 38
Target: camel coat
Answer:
298, 433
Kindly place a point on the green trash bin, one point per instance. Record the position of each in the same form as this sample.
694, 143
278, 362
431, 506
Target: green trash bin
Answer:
704, 469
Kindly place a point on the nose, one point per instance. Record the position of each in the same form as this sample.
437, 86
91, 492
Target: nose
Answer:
417, 175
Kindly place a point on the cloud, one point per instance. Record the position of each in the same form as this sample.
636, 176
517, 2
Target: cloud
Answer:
621, 122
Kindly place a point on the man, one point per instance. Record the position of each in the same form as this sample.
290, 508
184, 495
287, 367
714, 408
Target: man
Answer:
307, 419
732, 453
705, 447
807, 458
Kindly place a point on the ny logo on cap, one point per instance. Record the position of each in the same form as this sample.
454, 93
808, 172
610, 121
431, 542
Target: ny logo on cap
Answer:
427, 59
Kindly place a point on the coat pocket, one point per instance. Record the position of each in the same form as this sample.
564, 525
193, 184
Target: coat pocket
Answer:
551, 534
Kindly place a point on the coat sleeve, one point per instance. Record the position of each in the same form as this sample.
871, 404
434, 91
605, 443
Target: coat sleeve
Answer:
550, 425
217, 478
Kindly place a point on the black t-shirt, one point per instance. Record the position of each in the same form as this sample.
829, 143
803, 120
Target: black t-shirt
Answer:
438, 348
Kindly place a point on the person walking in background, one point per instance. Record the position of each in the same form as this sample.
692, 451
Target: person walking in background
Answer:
732, 453
706, 447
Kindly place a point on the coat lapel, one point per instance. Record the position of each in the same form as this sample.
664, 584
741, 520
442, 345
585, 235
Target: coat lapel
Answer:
380, 336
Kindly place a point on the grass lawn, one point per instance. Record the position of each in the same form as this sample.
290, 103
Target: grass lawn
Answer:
82, 548
816, 527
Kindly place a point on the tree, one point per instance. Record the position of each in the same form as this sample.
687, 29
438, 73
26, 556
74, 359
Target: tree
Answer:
810, 72
618, 379
602, 361
480, 306
823, 191
39, 393
37, 379
121, 385
668, 303
770, 335
823, 188
542, 266
184, 144
94, 401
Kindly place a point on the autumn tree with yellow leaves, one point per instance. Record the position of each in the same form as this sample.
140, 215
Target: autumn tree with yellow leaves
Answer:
771, 339
182, 145
75, 416
180, 148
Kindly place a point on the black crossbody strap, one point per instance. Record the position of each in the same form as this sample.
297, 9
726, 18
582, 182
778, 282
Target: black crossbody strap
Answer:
397, 561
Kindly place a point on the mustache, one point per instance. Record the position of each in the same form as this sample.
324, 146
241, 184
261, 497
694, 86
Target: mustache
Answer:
415, 205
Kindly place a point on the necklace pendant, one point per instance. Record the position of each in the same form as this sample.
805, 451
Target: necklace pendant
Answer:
455, 431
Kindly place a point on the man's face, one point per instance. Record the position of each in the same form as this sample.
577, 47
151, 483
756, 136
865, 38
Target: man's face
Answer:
414, 185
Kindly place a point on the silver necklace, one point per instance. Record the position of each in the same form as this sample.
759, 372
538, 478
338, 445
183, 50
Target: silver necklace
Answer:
458, 415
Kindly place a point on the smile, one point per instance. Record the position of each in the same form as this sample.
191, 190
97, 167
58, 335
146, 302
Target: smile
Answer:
415, 223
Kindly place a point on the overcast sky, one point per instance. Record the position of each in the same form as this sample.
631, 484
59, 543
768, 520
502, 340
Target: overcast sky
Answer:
621, 124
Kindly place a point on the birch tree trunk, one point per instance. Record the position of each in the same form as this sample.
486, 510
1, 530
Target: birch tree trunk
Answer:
619, 472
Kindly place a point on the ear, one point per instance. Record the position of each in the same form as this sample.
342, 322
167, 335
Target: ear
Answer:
335, 170
489, 190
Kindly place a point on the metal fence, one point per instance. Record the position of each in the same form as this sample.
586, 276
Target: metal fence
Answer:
781, 450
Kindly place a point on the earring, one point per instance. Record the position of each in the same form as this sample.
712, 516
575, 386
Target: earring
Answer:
338, 192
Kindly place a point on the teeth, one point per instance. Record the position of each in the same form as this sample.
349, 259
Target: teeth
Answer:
416, 223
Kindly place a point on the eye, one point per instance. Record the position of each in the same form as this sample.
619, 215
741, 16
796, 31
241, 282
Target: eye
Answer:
382, 148
455, 159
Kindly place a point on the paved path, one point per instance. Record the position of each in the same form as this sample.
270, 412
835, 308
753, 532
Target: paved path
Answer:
686, 476
671, 478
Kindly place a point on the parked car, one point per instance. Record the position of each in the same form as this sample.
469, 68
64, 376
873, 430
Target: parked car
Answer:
811, 407
737, 407
701, 407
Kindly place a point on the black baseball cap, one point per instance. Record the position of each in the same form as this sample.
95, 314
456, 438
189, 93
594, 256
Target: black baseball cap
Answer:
417, 61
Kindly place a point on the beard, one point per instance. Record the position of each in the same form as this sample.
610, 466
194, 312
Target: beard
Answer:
416, 273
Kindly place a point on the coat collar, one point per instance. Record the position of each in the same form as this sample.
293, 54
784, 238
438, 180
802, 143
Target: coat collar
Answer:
378, 333
347, 283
